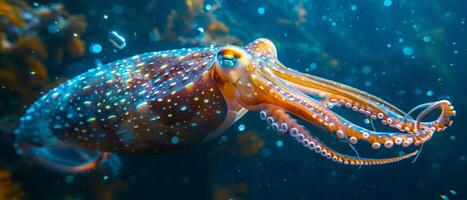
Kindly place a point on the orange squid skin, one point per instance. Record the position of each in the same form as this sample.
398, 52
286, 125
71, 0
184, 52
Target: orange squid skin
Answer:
163, 101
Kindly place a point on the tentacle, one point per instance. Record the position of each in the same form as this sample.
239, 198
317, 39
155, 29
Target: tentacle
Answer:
360, 101
278, 118
317, 114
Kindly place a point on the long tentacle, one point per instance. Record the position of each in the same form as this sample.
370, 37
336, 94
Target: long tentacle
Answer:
362, 102
282, 122
319, 115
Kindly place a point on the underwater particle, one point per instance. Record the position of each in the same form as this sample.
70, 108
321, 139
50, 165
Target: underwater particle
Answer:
174, 140
408, 51
367, 83
183, 108
53, 28
418, 91
223, 138
366, 69
453, 192
200, 32
265, 152
444, 197
95, 48
241, 127
388, 45
333, 23
366, 121
387, 3
429, 93
279, 143
106, 17
313, 66
105, 178
452, 137
117, 9
185, 179
427, 38
261, 10
208, 7
353, 7
117, 40
69, 178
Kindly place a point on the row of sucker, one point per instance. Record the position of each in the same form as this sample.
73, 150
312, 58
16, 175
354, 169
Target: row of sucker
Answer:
375, 108
283, 123
402, 123
353, 133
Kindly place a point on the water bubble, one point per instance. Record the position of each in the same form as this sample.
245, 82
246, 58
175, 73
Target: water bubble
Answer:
208, 7
53, 28
313, 66
353, 7
224, 138
366, 121
366, 69
261, 10
426, 38
241, 127
265, 152
418, 91
117, 40
69, 178
95, 48
429, 93
279, 143
387, 3
185, 179
200, 32
174, 140
117, 9
408, 51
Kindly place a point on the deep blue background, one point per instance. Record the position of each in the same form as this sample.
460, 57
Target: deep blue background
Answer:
361, 47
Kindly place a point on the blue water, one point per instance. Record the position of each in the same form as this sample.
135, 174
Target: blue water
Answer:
406, 52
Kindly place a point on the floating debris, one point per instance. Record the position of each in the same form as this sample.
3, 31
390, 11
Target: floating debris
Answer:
117, 40
453, 192
444, 197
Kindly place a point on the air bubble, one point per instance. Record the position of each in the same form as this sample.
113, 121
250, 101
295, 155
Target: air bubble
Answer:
426, 38
175, 140
95, 48
279, 143
241, 127
429, 93
408, 51
261, 10
387, 3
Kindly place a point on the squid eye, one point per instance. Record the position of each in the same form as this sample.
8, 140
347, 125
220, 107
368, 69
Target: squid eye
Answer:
227, 59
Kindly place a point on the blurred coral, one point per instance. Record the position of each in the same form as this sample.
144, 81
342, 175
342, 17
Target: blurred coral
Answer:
235, 191
34, 44
8, 189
